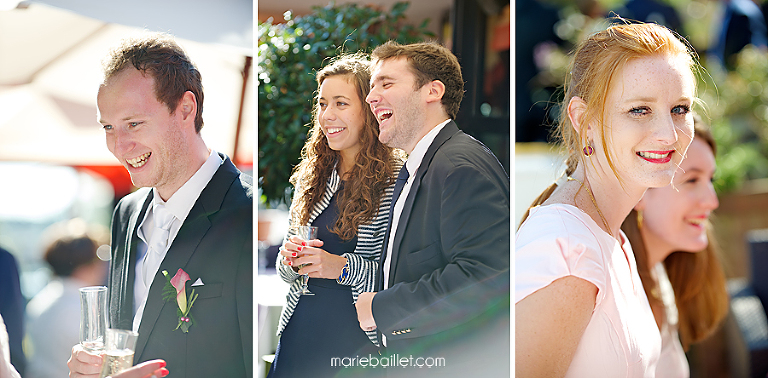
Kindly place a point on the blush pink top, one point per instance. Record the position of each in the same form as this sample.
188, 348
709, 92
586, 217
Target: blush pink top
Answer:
621, 339
672, 363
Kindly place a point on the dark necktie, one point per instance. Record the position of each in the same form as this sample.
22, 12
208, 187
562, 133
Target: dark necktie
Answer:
402, 177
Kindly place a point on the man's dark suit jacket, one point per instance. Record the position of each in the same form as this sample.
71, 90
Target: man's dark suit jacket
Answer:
215, 244
12, 308
449, 278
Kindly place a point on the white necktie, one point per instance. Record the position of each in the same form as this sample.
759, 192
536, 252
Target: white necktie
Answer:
157, 243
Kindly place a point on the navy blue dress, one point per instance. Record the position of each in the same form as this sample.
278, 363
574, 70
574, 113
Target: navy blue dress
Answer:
323, 326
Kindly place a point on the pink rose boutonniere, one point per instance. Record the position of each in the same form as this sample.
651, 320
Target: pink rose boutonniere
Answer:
175, 289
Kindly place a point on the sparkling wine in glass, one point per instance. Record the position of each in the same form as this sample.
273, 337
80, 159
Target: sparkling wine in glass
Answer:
116, 361
306, 233
120, 347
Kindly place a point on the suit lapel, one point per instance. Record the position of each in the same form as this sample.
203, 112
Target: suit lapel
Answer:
181, 250
185, 245
446, 133
121, 285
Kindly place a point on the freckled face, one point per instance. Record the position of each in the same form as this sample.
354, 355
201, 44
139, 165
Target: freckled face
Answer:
674, 216
648, 122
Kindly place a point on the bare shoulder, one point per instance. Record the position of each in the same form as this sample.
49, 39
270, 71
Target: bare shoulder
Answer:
566, 289
549, 324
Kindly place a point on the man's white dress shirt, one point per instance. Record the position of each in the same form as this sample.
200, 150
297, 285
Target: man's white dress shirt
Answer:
412, 165
179, 205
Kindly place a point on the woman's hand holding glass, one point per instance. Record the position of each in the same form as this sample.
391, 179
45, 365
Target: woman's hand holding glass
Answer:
148, 369
85, 364
317, 262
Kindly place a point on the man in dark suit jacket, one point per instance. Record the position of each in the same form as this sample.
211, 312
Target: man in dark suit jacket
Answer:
444, 274
12, 308
150, 105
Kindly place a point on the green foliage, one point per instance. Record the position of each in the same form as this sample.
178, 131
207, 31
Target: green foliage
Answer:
737, 110
289, 55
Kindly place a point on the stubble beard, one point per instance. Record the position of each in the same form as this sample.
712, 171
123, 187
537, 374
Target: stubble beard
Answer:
172, 171
410, 120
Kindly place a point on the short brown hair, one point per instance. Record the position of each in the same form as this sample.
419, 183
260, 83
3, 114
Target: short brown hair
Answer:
159, 56
429, 61
72, 244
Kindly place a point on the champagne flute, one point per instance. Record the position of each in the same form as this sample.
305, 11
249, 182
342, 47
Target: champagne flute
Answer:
93, 317
120, 348
307, 233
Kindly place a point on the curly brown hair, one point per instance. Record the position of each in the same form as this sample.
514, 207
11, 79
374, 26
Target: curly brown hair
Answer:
373, 171
166, 62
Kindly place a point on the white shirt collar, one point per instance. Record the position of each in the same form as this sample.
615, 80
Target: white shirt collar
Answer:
181, 202
417, 155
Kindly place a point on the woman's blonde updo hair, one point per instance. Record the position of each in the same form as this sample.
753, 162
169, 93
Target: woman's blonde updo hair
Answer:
594, 65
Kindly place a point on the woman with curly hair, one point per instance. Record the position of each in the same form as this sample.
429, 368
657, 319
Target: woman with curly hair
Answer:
343, 185
676, 256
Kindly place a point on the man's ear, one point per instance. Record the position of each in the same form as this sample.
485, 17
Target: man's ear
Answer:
188, 107
435, 91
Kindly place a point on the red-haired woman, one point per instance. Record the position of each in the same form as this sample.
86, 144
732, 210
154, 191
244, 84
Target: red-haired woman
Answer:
580, 310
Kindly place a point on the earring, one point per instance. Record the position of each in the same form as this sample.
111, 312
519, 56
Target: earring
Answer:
588, 150
639, 219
